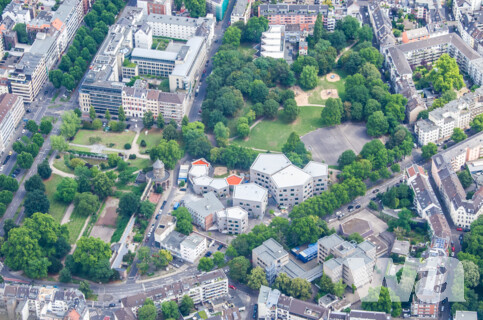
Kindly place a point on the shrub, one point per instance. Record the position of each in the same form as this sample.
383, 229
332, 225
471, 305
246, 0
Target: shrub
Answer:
143, 144
138, 237
127, 146
132, 156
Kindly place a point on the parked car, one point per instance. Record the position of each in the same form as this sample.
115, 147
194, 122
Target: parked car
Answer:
208, 254
358, 206
164, 203
220, 247
459, 229
232, 286
375, 191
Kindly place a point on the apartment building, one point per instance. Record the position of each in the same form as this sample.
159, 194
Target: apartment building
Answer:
11, 113
166, 225
241, 11
288, 184
201, 288
415, 35
25, 302
205, 184
444, 167
299, 14
29, 76
182, 28
352, 263
252, 198
155, 7
273, 42
138, 100
15, 11
203, 210
232, 220
188, 248
425, 199
143, 37
192, 247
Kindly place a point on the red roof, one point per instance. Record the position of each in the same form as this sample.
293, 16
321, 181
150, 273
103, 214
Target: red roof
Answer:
234, 180
200, 162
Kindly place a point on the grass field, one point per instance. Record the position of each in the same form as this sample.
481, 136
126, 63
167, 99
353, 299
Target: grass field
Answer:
272, 134
75, 226
119, 139
140, 163
59, 164
152, 138
57, 209
315, 98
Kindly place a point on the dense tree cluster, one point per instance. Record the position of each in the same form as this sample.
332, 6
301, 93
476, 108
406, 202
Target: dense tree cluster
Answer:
401, 196
297, 288
295, 150
168, 152
384, 302
36, 246
86, 42
8, 186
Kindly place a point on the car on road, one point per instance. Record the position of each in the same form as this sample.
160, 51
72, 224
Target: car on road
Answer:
231, 287
111, 305
375, 191
358, 206
6, 160
461, 237
459, 229
164, 203
1, 168
157, 217
452, 249
23, 131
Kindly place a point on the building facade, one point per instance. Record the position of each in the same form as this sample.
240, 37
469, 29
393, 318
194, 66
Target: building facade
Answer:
11, 113
251, 197
232, 220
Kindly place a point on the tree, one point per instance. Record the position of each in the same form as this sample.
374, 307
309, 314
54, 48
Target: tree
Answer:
326, 285
365, 33
282, 283
160, 121
55, 76
170, 310
346, 158
25, 160
258, 91
318, 28
254, 29
458, 135
85, 288
339, 288
129, 204
89, 251
148, 311
170, 133
243, 130
168, 152
86, 203
20, 248
205, 264
257, 278
68, 81
232, 36
121, 115
238, 268
21, 30
8, 225
162, 259
102, 185
445, 74
186, 305
465, 178
222, 133
429, 150
290, 110
36, 201
59, 143
300, 289
383, 302
34, 183
332, 113
355, 237
32, 126
472, 274
148, 120
377, 124
337, 40
45, 127
66, 190
308, 78
38, 139
270, 108
477, 123
146, 209
65, 276
349, 25
70, 124
219, 259
92, 113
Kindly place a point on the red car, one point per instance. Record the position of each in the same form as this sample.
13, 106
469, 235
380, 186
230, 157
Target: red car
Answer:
452, 249
459, 229
231, 287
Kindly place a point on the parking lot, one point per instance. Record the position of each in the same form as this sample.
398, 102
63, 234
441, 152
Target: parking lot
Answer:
327, 144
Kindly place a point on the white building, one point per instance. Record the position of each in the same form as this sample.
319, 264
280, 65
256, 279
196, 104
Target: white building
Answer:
193, 247
143, 37
182, 28
16, 12
288, 184
273, 42
252, 198
205, 184
166, 225
155, 6
203, 210
232, 220
241, 11
11, 113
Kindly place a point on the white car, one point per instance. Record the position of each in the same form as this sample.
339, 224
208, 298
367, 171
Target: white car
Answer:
1, 168
23, 131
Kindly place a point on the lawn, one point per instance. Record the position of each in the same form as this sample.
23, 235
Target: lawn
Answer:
57, 208
75, 226
152, 138
315, 98
59, 164
272, 134
117, 140
140, 163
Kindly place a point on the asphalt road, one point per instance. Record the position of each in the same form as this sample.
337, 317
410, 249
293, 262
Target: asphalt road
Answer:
220, 29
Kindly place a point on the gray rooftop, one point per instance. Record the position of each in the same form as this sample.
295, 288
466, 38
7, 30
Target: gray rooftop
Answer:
331, 241
250, 192
269, 163
173, 240
205, 206
269, 251
193, 241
